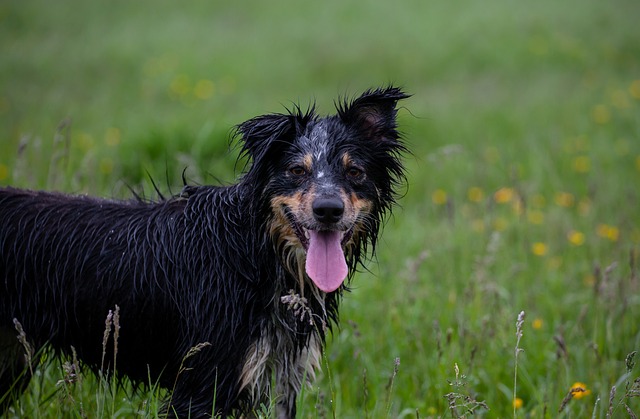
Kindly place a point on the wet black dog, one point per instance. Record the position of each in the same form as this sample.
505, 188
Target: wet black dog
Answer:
251, 273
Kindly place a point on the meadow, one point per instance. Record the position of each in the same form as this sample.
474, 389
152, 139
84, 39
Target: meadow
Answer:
507, 282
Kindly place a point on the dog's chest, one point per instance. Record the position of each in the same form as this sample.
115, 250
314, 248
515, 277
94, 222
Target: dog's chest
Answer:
277, 352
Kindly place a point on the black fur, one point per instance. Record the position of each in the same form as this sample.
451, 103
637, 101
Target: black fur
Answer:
219, 266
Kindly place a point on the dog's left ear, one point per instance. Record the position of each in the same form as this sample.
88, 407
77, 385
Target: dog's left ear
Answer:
373, 114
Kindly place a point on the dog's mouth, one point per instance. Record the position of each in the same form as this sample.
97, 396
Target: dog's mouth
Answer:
325, 263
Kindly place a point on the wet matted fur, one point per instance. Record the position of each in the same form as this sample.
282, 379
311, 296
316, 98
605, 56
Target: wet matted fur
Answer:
252, 273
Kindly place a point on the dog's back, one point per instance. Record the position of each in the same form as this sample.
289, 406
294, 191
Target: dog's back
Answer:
66, 261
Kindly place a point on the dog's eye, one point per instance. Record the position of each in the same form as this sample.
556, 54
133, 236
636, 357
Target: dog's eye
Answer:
354, 173
298, 171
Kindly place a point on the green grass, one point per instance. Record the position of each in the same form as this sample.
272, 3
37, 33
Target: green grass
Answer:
523, 184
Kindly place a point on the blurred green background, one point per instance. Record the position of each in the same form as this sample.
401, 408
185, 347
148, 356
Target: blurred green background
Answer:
524, 178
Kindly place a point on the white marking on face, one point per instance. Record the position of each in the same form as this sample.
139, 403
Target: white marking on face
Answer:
319, 138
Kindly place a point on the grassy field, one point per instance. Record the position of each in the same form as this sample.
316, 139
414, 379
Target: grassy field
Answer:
523, 187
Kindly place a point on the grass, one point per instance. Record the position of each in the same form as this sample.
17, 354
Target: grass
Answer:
523, 184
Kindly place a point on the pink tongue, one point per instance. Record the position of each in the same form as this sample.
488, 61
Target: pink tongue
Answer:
326, 265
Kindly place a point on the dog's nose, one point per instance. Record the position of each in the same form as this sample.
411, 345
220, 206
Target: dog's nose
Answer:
328, 210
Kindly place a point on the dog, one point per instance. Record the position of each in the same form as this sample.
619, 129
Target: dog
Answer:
219, 290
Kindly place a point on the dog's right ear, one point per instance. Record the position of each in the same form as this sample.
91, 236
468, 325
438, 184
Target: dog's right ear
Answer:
262, 134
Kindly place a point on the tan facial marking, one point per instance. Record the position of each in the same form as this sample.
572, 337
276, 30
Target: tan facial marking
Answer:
346, 160
360, 205
307, 162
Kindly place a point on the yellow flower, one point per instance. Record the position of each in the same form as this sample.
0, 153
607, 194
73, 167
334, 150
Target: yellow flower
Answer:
535, 217
500, 224
576, 238
565, 199
477, 225
613, 233
608, 232
539, 201
554, 263
584, 206
601, 114
517, 206
204, 89
619, 99
589, 280
112, 136
582, 164
85, 140
517, 403
439, 197
539, 249
475, 194
579, 390
634, 89
180, 85
106, 166
503, 195
537, 324
491, 155
4, 172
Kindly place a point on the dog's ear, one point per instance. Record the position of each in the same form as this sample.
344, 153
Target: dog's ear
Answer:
260, 135
373, 114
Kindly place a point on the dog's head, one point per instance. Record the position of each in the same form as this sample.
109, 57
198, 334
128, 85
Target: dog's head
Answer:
326, 182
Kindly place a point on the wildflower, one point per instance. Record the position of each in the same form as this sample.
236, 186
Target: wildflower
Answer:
577, 144
539, 249
500, 224
535, 217
204, 89
518, 207
85, 140
622, 147
538, 200
439, 197
517, 403
537, 324
601, 114
477, 225
4, 172
106, 166
576, 238
491, 155
112, 136
619, 99
475, 194
582, 164
634, 89
584, 206
565, 199
589, 280
180, 86
554, 263
503, 195
579, 390
608, 232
